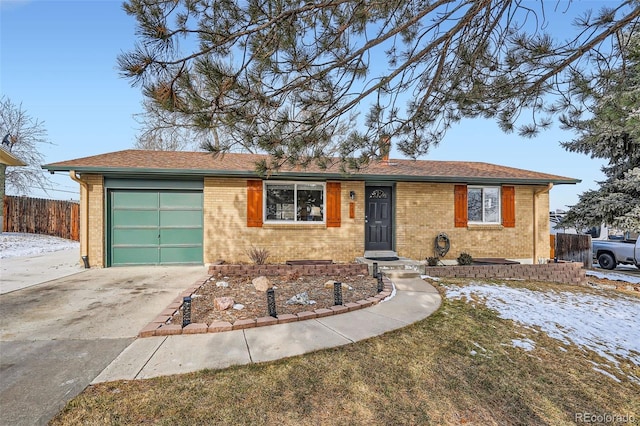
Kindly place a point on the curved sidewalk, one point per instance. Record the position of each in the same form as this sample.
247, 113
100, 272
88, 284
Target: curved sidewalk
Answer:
414, 299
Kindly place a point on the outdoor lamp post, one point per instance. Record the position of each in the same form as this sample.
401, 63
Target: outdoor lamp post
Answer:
271, 303
186, 311
337, 293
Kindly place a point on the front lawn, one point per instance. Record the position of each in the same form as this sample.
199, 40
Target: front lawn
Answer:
459, 366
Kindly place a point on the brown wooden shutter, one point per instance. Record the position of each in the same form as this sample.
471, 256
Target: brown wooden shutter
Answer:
254, 203
509, 206
460, 205
333, 205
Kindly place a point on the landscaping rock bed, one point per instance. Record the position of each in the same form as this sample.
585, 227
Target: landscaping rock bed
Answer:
250, 303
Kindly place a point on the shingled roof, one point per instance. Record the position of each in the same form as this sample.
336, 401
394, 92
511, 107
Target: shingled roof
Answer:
180, 163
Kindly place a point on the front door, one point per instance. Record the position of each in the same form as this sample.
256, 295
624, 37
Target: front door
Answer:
378, 218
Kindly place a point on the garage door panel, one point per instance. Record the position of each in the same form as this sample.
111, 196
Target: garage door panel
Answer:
179, 217
129, 236
190, 236
135, 199
135, 255
180, 255
133, 218
180, 199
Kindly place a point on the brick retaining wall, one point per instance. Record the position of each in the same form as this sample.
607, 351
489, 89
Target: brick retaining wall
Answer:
336, 269
564, 272
567, 273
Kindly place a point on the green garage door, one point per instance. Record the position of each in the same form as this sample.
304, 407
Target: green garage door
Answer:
155, 227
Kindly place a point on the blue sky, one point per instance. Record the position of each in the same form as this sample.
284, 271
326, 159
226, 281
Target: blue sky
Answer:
58, 60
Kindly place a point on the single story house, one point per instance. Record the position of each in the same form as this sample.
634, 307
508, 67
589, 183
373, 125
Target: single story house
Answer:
159, 207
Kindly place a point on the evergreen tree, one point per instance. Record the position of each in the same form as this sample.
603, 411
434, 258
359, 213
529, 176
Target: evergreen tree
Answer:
612, 132
290, 77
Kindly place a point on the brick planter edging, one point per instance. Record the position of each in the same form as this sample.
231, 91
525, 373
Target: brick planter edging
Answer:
160, 327
564, 272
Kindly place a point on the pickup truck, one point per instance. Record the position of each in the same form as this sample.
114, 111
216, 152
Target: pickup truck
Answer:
610, 253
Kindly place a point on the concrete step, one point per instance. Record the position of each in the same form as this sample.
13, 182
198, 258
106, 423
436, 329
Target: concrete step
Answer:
380, 253
401, 273
402, 265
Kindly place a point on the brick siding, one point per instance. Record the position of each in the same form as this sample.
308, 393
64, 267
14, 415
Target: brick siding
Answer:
423, 210
227, 236
95, 186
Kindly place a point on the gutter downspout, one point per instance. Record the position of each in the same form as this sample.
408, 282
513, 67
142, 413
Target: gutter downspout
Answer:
535, 218
84, 217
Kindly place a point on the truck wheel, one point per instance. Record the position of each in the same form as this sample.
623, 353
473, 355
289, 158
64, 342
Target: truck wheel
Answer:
606, 261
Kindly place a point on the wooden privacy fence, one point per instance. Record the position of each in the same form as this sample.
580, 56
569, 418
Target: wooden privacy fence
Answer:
40, 216
574, 248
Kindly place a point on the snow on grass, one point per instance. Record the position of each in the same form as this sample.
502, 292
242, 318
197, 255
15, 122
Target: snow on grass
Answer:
526, 344
614, 276
610, 326
15, 244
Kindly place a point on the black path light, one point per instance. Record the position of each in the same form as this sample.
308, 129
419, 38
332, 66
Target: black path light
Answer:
380, 283
271, 302
186, 311
337, 293
375, 269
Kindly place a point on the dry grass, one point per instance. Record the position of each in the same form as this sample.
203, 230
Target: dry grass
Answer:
422, 374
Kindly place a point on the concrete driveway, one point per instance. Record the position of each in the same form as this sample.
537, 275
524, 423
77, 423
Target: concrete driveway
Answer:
57, 336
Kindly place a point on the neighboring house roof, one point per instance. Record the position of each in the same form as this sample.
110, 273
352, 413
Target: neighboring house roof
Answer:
180, 163
9, 159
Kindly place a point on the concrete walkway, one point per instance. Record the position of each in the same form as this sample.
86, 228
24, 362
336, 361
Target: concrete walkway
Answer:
413, 300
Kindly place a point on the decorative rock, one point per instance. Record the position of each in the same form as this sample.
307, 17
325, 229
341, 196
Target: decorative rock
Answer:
238, 306
262, 283
329, 285
223, 303
300, 299
222, 284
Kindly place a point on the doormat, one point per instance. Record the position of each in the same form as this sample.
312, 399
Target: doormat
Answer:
383, 259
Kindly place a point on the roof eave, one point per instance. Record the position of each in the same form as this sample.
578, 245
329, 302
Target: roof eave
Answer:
150, 172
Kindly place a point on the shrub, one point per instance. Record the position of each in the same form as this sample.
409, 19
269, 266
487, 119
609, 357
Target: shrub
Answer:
432, 261
465, 259
258, 255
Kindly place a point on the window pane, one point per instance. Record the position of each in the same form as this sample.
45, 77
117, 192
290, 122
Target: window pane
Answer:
280, 202
474, 202
310, 202
491, 205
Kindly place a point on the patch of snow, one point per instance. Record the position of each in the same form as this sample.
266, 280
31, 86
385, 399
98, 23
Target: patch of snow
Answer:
526, 344
606, 373
606, 325
614, 276
392, 295
479, 347
429, 277
16, 244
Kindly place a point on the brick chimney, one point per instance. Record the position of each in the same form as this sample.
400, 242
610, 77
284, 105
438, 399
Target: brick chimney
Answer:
385, 149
